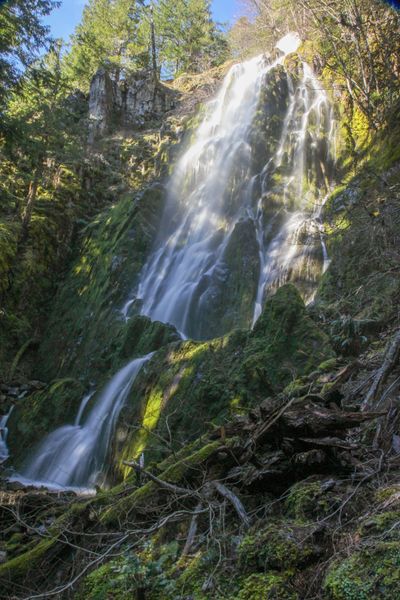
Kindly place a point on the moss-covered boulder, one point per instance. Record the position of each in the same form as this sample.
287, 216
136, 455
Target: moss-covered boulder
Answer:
372, 571
310, 498
271, 586
281, 545
285, 341
195, 383
142, 335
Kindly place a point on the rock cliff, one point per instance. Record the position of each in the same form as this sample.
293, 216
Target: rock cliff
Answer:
128, 102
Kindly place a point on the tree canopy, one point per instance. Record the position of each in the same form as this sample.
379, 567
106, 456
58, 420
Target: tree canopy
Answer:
22, 36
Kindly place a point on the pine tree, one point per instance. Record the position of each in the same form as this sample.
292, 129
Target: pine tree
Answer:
188, 39
41, 116
22, 36
111, 34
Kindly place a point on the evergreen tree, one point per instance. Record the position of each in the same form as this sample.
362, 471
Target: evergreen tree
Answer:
188, 39
41, 116
110, 33
22, 36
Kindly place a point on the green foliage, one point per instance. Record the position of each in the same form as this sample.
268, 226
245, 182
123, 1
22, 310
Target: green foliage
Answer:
356, 45
370, 572
117, 34
270, 586
22, 36
281, 546
112, 34
308, 499
132, 573
346, 335
188, 39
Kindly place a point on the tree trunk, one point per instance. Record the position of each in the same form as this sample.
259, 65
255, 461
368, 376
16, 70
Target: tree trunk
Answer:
30, 202
153, 45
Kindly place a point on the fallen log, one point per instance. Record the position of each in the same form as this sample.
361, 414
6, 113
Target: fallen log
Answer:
320, 421
330, 442
343, 376
175, 489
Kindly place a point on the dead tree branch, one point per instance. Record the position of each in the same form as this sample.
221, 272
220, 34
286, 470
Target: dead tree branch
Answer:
391, 358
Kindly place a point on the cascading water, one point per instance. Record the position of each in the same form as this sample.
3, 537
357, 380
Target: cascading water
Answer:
3, 436
303, 155
242, 217
219, 190
74, 456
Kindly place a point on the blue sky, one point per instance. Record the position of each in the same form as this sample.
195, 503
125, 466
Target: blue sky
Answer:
64, 19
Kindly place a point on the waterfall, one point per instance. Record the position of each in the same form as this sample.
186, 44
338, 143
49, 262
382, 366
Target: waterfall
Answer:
216, 187
242, 217
74, 456
3, 436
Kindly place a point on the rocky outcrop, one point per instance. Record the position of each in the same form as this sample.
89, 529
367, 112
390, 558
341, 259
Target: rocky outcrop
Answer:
126, 102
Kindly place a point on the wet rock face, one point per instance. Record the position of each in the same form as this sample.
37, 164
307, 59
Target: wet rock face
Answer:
128, 102
228, 299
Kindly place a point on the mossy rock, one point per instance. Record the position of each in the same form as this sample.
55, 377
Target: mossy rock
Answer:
281, 546
386, 524
195, 383
271, 586
369, 572
38, 414
310, 498
285, 340
227, 302
86, 330
389, 496
142, 335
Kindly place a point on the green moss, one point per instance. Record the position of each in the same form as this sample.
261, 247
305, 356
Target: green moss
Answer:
285, 340
370, 572
196, 383
228, 301
327, 365
141, 336
387, 494
309, 498
173, 473
385, 524
18, 567
270, 586
278, 546
40, 413
182, 468
115, 246
17, 543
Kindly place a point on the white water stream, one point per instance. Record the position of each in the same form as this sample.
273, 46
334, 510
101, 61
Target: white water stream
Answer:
216, 185
3, 436
74, 456
213, 187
